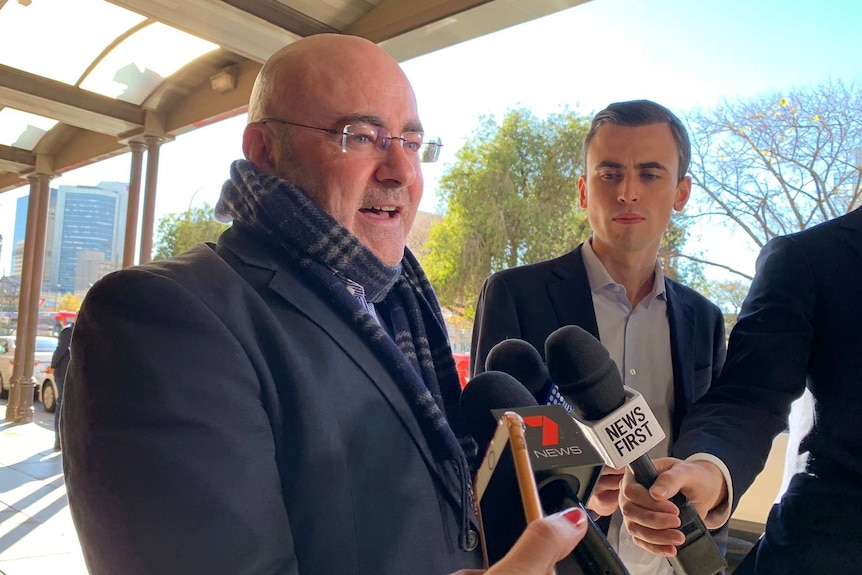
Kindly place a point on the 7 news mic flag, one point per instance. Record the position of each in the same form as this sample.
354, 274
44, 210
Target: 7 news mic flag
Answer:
567, 467
559, 448
565, 464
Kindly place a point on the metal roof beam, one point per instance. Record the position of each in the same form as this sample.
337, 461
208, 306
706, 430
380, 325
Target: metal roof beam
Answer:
232, 28
392, 18
15, 159
67, 104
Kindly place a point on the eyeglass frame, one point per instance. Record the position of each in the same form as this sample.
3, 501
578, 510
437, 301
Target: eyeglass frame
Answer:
436, 145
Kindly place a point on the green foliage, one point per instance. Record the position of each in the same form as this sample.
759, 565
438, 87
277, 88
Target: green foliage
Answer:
675, 264
179, 232
511, 198
728, 295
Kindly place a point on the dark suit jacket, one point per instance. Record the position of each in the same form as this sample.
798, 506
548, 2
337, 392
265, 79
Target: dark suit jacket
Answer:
801, 324
220, 418
532, 301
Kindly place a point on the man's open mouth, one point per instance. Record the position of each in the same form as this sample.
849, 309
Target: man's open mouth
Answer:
389, 211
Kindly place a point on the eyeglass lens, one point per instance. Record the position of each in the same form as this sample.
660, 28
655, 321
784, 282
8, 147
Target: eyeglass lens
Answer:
367, 139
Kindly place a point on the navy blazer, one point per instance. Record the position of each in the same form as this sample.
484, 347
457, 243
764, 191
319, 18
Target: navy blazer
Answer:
220, 418
530, 302
799, 325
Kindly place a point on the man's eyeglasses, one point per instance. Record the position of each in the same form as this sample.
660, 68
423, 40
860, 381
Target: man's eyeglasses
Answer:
369, 140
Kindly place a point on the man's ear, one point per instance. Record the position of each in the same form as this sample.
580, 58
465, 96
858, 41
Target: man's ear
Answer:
683, 193
258, 147
582, 191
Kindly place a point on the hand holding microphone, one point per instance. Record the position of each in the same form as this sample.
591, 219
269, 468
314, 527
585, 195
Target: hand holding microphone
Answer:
649, 515
604, 499
623, 426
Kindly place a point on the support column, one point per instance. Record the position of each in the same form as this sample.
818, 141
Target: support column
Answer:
131, 238
149, 215
24, 298
24, 406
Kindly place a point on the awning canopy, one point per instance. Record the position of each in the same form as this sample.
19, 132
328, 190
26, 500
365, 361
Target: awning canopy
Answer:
80, 79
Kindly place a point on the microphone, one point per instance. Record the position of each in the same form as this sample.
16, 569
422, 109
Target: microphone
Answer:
624, 429
565, 464
486, 393
522, 361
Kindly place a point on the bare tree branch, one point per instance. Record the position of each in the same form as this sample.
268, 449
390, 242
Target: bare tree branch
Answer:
715, 264
779, 163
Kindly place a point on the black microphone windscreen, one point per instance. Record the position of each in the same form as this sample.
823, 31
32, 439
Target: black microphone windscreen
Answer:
583, 370
522, 361
490, 390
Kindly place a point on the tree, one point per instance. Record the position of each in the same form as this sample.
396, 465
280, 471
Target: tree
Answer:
675, 264
179, 232
510, 198
780, 164
728, 295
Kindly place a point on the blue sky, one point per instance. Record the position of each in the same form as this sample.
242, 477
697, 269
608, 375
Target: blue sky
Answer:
681, 53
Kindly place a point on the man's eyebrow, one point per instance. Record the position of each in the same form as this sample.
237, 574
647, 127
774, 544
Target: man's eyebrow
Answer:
651, 166
377, 121
609, 164
641, 166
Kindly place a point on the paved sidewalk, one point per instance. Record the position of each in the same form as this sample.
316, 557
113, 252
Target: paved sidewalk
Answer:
36, 532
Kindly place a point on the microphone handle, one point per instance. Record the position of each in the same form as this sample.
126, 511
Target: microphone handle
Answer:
699, 555
593, 555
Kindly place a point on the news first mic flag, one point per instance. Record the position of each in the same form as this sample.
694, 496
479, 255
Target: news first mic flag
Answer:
556, 442
623, 436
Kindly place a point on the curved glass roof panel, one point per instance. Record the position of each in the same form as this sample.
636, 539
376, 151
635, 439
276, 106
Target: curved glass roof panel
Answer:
141, 62
21, 129
37, 38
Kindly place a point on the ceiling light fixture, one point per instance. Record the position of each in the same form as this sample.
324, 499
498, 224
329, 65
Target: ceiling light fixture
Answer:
224, 80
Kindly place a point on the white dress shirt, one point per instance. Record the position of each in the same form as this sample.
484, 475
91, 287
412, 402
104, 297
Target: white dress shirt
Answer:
638, 340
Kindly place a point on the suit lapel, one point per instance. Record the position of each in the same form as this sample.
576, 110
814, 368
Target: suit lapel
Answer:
571, 295
287, 286
682, 328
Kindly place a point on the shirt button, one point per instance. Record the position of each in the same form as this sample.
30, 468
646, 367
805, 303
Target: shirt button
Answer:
633, 371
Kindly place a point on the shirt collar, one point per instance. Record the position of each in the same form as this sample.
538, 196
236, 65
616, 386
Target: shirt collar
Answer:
599, 278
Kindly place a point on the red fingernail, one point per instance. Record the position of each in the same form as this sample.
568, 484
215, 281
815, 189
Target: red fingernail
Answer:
575, 516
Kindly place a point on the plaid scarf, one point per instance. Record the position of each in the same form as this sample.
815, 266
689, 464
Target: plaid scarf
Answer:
417, 354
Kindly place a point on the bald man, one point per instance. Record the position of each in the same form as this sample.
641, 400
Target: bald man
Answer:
285, 401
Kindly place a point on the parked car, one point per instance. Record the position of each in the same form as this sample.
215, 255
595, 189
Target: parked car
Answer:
47, 391
45, 346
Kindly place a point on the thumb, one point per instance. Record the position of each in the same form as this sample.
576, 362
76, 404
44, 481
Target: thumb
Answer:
669, 481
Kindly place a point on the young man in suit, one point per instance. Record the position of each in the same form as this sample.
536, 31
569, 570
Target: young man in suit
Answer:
667, 340
799, 327
285, 401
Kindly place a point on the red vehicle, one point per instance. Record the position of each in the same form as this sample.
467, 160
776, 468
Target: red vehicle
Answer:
49, 322
462, 363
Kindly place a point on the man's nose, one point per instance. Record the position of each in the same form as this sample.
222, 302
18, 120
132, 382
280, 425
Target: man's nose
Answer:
396, 165
628, 191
